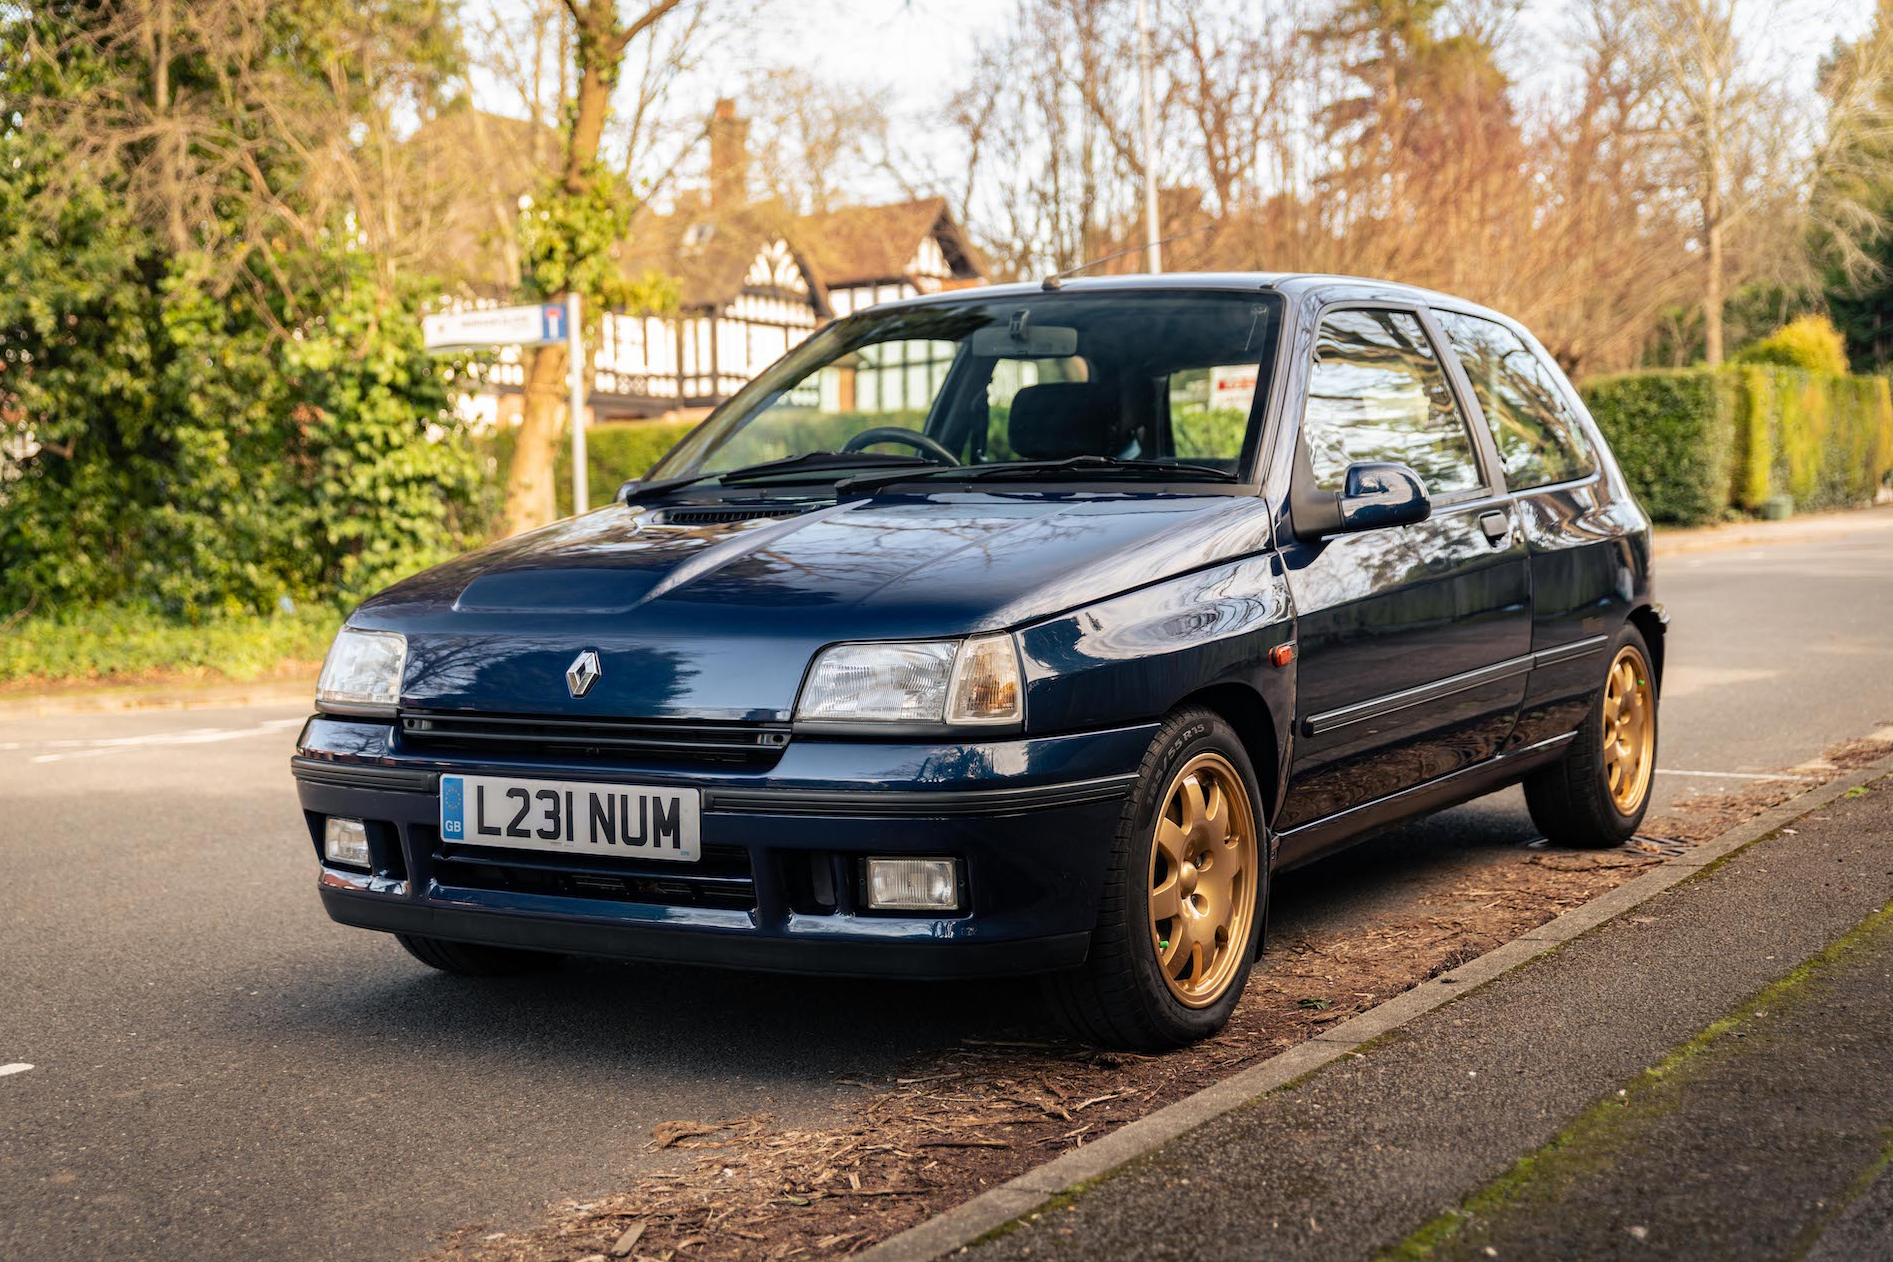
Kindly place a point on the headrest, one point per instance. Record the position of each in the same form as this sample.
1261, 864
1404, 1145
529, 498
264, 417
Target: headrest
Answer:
1062, 419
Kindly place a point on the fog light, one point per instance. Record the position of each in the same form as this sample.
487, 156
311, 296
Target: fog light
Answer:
913, 884
345, 841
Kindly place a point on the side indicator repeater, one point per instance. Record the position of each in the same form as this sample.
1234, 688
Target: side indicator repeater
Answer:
1282, 654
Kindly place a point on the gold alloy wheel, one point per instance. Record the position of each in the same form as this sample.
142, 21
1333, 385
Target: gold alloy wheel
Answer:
1629, 730
1203, 877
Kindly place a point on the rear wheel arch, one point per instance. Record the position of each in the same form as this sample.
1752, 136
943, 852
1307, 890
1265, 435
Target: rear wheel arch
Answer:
1650, 623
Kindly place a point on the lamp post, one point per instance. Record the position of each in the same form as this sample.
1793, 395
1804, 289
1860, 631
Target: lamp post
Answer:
1153, 249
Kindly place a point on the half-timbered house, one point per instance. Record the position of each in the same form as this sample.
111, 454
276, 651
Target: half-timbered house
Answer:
750, 279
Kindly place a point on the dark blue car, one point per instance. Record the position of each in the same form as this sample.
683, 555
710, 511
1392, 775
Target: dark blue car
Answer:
1013, 630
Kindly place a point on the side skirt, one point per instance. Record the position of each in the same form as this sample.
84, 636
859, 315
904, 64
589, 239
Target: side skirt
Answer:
1322, 837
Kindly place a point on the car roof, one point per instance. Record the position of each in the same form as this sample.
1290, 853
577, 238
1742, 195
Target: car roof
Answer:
1290, 285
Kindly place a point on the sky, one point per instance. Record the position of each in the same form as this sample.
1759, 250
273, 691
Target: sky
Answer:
918, 50
915, 53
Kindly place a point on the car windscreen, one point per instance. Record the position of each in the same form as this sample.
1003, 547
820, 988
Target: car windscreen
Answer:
1152, 385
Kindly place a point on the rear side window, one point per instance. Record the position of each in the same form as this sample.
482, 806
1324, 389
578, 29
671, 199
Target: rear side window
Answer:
1378, 393
1539, 439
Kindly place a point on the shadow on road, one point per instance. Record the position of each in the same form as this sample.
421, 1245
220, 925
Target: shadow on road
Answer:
791, 1027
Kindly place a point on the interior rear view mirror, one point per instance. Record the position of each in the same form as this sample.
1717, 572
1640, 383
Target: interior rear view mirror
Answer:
1023, 340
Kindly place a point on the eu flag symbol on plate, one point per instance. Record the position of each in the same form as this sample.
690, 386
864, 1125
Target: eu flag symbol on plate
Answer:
452, 798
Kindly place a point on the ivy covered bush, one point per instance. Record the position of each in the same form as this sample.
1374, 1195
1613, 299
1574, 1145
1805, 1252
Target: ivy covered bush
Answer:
174, 452
1825, 440
210, 400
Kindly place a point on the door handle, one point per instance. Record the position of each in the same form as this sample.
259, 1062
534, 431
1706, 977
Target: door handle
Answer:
1497, 527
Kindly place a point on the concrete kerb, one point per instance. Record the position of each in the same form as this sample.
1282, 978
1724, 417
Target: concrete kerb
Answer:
1018, 1197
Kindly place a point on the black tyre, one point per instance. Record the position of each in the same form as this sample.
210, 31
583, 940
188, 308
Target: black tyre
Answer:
1185, 896
1596, 795
471, 959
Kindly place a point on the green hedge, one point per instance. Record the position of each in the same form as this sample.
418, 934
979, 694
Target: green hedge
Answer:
1825, 440
132, 644
613, 453
1673, 433
1698, 443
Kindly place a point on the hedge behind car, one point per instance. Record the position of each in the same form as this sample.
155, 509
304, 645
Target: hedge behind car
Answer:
1700, 443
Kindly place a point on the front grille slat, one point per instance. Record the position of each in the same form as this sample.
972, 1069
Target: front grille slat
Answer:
731, 742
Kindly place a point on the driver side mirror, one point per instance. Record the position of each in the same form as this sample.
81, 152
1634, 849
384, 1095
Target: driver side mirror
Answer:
1377, 494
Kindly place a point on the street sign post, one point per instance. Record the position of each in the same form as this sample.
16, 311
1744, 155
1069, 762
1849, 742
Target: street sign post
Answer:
575, 375
535, 324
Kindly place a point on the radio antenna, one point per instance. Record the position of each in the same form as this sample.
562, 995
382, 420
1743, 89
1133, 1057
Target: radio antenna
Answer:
1057, 278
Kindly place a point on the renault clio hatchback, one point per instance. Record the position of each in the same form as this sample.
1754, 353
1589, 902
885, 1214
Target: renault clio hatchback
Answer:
1027, 629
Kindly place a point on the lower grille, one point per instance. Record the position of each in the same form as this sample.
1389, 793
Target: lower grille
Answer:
718, 742
721, 878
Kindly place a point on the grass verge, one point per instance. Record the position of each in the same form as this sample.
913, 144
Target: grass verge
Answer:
131, 645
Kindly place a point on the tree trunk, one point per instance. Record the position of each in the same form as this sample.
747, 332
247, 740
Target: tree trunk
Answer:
530, 498
531, 495
601, 41
1712, 278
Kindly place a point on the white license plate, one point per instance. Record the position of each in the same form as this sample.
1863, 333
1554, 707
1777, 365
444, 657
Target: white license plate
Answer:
626, 821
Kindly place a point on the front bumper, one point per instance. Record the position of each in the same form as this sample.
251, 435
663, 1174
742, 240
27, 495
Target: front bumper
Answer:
1030, 820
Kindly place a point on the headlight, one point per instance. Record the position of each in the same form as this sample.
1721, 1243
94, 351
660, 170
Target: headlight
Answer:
362, 673
938, 681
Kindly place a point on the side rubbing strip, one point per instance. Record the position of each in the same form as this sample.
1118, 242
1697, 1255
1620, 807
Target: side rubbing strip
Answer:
1569, 652
1316, 724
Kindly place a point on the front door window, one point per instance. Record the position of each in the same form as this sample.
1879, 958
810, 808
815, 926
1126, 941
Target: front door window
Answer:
1378, 392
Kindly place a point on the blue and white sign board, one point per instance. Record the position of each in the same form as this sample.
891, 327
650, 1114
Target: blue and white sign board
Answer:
532, 325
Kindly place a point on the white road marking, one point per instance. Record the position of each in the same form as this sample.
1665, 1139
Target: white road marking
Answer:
120, 744
1730, 775
17, 1067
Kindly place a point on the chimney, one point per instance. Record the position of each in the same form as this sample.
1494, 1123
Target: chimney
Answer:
729, 157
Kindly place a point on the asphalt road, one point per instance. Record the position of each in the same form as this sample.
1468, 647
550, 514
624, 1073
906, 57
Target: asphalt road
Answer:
219, 1072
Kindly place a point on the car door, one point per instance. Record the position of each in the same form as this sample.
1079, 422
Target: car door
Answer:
1413, 642
1581, 538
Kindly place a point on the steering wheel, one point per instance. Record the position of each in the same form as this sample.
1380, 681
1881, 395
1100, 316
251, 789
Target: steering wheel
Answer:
926, 446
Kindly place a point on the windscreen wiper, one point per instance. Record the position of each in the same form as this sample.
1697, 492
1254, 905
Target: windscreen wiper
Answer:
1085, 464
769, 468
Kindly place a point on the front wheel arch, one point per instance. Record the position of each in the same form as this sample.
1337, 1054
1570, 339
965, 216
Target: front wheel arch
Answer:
1119, 997
1256, 725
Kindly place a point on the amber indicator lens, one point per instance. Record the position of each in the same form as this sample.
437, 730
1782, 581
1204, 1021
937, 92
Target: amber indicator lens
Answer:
985, 682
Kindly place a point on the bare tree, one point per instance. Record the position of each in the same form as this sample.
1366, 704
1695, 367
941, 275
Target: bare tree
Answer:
813, 141
266, 158
1714, 110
